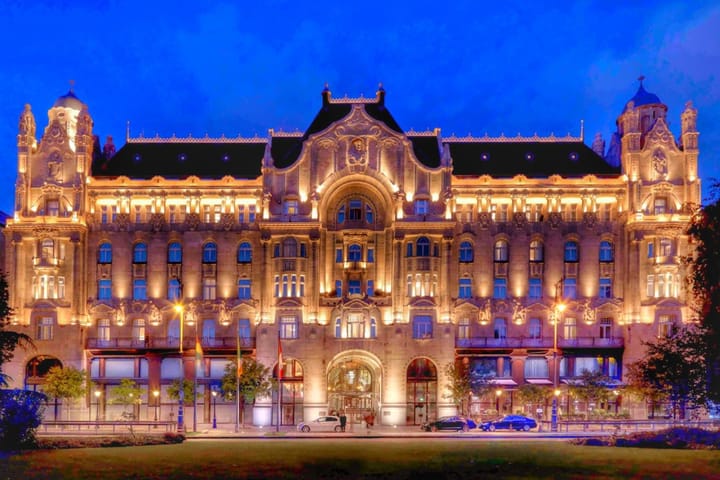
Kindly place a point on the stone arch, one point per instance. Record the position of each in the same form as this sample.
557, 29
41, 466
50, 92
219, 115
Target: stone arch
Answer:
37, 368
354, 384
421, 383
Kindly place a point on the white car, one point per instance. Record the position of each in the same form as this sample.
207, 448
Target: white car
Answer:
327, 423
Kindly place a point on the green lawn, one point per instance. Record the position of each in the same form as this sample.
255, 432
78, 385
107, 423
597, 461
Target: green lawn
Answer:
367, 458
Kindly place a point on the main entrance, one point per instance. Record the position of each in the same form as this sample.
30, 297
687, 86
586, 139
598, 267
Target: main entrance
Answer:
353, 388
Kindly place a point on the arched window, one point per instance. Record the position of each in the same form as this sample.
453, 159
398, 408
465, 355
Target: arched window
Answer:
501, 252
209, 253
354, 253
536, 251
175, 253
140, 253
244, 254
571, 251
105, 253
466, 252
422, 247
606, 251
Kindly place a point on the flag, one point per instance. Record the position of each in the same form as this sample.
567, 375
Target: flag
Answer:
239, 355
280, 359
198, 350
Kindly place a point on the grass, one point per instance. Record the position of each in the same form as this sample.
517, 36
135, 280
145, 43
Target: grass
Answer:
361, 458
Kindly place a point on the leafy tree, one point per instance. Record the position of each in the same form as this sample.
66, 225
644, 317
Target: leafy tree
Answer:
591, 386
20, 414
676, 368
9, 340
255, 381
187, 387
641, 388
128, 394
65, 383
535, 395
465, 380
704, 283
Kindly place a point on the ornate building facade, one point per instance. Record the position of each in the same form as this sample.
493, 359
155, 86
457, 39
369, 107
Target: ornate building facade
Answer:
377, 256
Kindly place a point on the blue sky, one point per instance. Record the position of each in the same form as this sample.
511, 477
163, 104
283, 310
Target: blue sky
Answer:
189, 67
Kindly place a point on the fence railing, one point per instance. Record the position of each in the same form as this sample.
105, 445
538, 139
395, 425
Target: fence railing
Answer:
104, 426
542, 342
613, 426
168, 342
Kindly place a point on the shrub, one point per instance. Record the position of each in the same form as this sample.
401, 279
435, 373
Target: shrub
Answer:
20, 415
678, 437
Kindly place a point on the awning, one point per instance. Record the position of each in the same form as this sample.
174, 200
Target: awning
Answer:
539, 381
503, 381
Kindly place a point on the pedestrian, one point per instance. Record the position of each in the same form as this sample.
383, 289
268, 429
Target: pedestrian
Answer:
343, 420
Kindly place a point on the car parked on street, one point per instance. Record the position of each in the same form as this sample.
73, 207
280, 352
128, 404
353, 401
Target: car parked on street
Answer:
455, 422
326, 423
509, 422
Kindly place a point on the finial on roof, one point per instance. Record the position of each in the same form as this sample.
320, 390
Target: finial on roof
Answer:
641, 78
582, 130
326, 94
72, 85
380, 95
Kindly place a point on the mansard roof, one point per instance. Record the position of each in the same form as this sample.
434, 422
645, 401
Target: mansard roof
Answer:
532, 157
181, 158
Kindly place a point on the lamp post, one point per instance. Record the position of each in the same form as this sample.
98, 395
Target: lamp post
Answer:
156, 395
97, 406
214, 395
181, 393
559, 307
498, 394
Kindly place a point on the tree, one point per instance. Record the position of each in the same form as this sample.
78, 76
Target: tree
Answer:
9, 340
255, 381
534, 395
464, 380
676, 367
591, 387
20, 414
704, 283
128, 394
65, 383
188, 388
641, 388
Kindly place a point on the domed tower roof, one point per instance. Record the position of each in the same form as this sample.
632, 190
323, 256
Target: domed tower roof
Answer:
69, 100
643, 97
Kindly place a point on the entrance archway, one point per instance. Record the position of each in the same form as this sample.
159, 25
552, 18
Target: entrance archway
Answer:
37, 369
421, 392
354, 386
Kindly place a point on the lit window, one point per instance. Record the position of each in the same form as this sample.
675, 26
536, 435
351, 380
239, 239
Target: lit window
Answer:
104, 289
465, 288
288, 327
536, 251
605, 290
501, 251
666, 247
45, 328
244, 288
138, 330
666, 324
103, 329
209, 288
606, 327
421, 207
290, 207
422, 326
464, 328
570, 328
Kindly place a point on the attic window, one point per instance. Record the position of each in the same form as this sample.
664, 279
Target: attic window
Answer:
182, 157
485, 156
529, 156
138, 157
573, 156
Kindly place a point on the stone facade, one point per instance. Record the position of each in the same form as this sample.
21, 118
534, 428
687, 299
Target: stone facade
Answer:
376, 256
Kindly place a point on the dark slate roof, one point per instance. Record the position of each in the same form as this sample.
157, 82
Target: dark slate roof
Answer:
285, 150
533, 159
177, 160
426, 149
69, 100
643, 97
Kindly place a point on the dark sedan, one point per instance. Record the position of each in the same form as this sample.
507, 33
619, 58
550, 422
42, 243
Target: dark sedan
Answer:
509, 422
456, 422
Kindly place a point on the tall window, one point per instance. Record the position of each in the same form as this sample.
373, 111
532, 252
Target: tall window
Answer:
209, 254
570, 288
606, 251
536, 367
173, 330
465, 288
535, 288
422, 248
103, 329
605, 290
174, 292
244, 254
666, 324
341, 214
354, 253
209, 288
666, 247
45, 328
288, 327
535, 328
464, 328
289, 247
422, 326
175, 253
105, 253
370, 288
570, 328
659, 205
355, 210
354, 287
500, 288
466, 252
338, 327
500, 328
421, 206
139, 289
650, 286
370, 255
140, 253
138, 330
606, 327
571, 251
536, 251
104, 289
355, 326
244, 288
244, 328
208, 330
501, 251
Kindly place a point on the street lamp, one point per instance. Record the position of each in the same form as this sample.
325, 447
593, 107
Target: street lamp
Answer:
97, 406
498, 393
214, 394
156, 394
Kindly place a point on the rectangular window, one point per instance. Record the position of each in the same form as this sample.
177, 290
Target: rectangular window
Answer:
338, 288
290, 207
666, 324
288, 327
570, 288
45, 328
535, 288
244, 288
606, 327
104, 214
570, 329
53, 208
338, 255
660, 206
251, 213
217, 213
244, 328
650, 250
104, 289
355, 210
370, 255
503, 212
605, 288
206, 214
500, 288
650, 286
465, 288
422, 326
536, 367
139, 289
209, 288
370, 288
421, 207
103, 329
464, 328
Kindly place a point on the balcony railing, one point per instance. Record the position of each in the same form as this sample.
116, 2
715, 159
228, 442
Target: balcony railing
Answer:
544, 342
168, 342
47, 262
